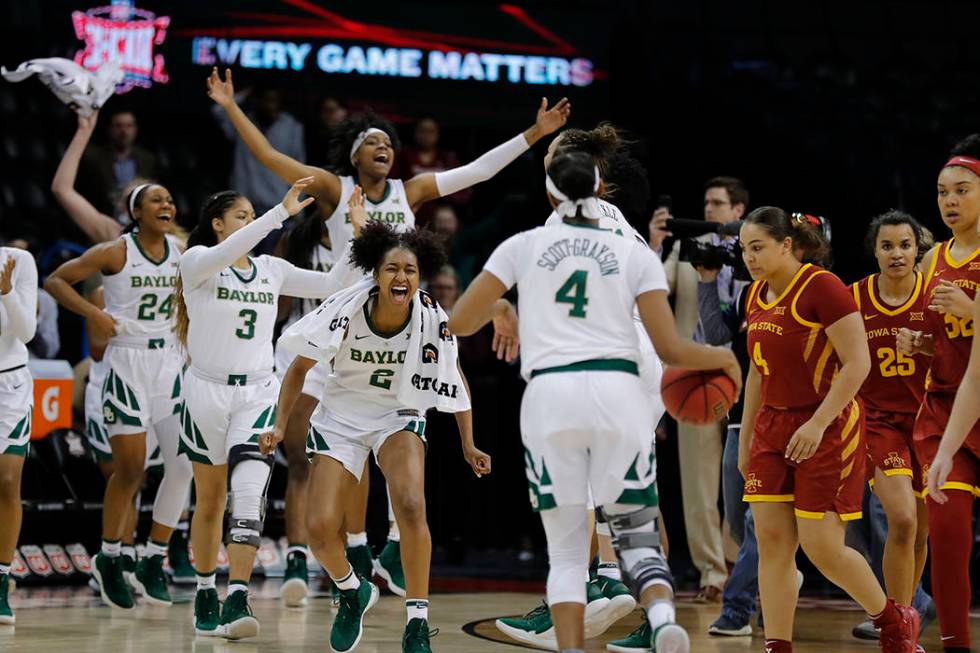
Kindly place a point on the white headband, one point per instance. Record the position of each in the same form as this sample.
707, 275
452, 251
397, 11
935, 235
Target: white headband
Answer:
359, 141
568, 208
132, 198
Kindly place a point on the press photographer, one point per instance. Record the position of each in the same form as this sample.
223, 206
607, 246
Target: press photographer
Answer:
700, 447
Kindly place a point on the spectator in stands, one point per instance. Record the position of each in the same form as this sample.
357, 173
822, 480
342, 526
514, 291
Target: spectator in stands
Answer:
425, 155
98, 226
333, 111
283, 131
47, 340
444, 286
108, 169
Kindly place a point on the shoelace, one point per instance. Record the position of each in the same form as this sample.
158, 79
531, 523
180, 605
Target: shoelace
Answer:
348, 600
414, 635
538, 611
643, 630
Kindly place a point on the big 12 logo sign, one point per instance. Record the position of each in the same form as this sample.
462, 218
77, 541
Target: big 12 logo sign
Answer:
121, 32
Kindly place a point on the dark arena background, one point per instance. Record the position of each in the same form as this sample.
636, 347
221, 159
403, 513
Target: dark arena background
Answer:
833, 108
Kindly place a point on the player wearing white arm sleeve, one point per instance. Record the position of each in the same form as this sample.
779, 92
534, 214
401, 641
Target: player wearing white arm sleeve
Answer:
584, 419
141, 363
226, 305
18, 321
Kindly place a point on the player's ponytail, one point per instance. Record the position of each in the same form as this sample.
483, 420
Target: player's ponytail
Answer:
202, 234
601, 143
809, 243
573, 182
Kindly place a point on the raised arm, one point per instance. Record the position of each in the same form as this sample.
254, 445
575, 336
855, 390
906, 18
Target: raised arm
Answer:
325, 186
98, 226
19, 297
199, 264
429, 186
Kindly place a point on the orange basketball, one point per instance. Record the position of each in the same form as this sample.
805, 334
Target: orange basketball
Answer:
697, 397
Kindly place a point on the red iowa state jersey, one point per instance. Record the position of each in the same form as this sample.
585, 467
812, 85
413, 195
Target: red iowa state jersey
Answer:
896, 382
787, 341
952, 335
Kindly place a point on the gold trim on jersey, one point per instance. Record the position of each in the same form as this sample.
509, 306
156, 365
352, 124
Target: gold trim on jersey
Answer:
894, 311
949, 257
856, 289
786, 290
796, 298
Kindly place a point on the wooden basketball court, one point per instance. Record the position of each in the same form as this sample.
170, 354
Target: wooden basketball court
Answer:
72, 620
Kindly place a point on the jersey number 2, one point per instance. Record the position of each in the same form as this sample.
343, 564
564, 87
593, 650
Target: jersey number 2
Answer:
247, 332
573, 292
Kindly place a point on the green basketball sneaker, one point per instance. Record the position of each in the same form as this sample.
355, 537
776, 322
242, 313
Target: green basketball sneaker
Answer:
108, 572
207, 613
621, 603
362, 561
596, 606
670, 638
6, 614
637, 641
151, 581
237, 621
129, 572
416, 637
181, 570
534, 629
389, 567
348, 626
295, 583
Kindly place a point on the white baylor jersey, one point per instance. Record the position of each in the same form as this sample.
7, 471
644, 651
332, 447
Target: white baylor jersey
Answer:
577, 288
363, 386
232, 316
140, 296
393, 209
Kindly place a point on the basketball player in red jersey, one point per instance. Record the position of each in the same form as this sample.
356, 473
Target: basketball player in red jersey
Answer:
889, 301
952, 274
804, 458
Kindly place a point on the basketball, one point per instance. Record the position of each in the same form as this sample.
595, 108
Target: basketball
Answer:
696, 396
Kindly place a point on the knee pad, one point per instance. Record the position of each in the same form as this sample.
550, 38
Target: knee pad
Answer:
249, 473
636, 539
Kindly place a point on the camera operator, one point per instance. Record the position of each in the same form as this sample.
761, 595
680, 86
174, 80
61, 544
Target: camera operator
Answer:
700, 447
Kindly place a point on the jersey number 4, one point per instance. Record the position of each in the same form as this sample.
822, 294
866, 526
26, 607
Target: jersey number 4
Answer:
573, 292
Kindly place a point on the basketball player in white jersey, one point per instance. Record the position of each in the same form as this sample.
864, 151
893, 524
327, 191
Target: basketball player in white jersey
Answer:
391, 360
18, 321
362, 154
98, 436
585, 419
138, 275
226, 304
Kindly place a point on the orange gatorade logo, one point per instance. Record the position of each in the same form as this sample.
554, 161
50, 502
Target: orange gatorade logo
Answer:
893, 460
752, 484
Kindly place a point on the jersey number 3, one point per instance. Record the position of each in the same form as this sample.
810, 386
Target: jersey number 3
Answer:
247, 332
573, 292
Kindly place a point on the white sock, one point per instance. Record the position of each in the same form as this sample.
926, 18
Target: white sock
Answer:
297, 548
128, 551
236, 586
348, 582
393, 534
205, 582
661, 612
417, 609
155, 549
610, 570
110, 549
5, 569
356, 539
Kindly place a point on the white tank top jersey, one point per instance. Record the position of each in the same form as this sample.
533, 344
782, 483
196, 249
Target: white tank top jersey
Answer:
392, 209
232, 316
577, 288
140, 296
366, 369
611, 218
